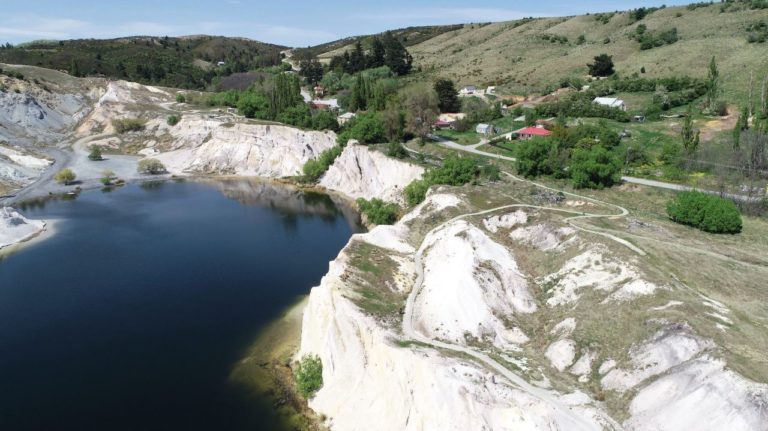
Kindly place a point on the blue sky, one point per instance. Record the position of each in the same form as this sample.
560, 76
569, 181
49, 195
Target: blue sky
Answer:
292, 23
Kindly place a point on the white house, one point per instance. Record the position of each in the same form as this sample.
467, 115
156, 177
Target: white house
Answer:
611, 102
490, 90
467, 90
484, 129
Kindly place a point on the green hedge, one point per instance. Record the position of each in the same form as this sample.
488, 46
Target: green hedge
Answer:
309, 375
379, 212
706, 212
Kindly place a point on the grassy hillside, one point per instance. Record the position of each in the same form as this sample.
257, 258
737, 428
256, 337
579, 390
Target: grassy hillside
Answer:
530, 55
408, 36
188, 62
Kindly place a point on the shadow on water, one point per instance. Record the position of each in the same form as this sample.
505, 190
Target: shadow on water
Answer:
136, 312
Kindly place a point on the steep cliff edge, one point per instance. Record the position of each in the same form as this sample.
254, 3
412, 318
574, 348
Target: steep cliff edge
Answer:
598, 345
360, 172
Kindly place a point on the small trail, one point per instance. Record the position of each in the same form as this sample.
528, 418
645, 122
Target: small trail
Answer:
570, 420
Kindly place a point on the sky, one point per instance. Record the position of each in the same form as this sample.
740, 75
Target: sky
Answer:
292, 23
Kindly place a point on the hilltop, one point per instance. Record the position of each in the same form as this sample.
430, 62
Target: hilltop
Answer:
182, 62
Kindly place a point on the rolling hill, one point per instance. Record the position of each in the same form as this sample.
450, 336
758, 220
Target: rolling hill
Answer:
530, 55
184, 62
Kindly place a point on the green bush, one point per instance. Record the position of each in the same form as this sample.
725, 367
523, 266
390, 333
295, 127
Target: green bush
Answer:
309, 375
151, 166
706, 212
128, 125
379, 212
314, 169
416, 192
453, 172
180, 98
365, 128
65, 176
533, 157
594, 168
95, 154
173, 120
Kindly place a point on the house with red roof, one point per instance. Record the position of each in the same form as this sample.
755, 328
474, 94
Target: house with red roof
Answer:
531, 132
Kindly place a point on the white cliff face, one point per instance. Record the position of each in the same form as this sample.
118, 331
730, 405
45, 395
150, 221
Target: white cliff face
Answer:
472, 286
372, 383
213, 147
15, 228
469, 281
363, 173
701, 395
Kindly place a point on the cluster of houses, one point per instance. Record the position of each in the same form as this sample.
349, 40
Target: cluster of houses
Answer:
540, 129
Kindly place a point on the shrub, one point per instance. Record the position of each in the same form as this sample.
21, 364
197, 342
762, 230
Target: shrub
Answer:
151, 167
173, 120
379, 212
706, 212
106, 177
365, 128
180, 98
128, 125
65, 176
453, 172
95, 154
309, 375
314, 169
416, 192
594, 168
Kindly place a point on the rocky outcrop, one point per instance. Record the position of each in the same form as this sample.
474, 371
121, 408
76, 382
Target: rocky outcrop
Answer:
360, 172
15, 228
200, 146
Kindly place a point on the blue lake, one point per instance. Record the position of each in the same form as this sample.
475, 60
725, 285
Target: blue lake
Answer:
134, 313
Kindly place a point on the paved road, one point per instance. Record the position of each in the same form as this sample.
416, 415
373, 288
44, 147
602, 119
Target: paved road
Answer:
473, 149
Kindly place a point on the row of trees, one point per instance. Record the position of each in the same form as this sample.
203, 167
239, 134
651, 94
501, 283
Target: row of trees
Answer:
386, 50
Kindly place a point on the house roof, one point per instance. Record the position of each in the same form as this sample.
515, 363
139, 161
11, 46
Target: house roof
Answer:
533, 131
609, 101
348, 115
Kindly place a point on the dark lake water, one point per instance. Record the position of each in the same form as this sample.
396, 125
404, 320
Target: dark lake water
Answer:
132, 316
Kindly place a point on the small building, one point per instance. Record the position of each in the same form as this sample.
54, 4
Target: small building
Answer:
531, 132
443, 125
485, 129
324, 104
467, 90
490, 90
611, 102
319, 91
221, 63
638, 119
545, 122
520, 119
345, 118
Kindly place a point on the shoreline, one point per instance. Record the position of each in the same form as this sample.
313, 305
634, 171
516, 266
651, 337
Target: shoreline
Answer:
265, 369
48, 230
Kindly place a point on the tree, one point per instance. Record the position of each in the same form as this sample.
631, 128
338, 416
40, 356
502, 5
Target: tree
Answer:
361, 92
151, 167
74, 68
95, 154
394, 122
689, 136
312, 70
378, 53
396, 57
65, 176
106, 177
603, 66
713, 85
533, 157
421, 110
173, 120
594, 168
448, 99
741, 125
309, 375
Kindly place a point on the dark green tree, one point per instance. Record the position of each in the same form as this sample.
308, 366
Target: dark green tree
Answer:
396, 57
603, 66
447, 96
